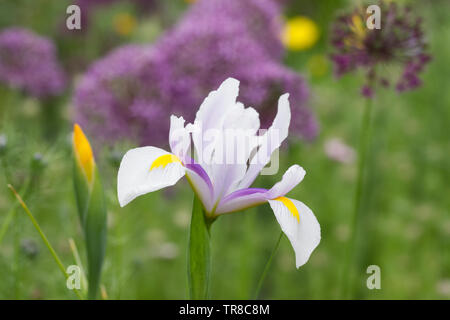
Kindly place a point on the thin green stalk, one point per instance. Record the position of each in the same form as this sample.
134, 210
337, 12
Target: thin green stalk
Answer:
43, 236
267, 267
362, 158
76, 256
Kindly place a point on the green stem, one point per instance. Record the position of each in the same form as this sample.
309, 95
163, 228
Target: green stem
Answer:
199, 260
43, 236
267, 267
362, 157
76, 256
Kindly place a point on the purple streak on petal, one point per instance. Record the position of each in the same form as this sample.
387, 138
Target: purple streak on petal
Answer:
241, 199
198, 169
243, 192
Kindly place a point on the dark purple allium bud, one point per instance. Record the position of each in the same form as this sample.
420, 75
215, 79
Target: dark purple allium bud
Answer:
400, 41
29, 62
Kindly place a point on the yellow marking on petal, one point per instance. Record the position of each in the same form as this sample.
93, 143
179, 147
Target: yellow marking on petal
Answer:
290, 206
83, 152
164, 160
300, 33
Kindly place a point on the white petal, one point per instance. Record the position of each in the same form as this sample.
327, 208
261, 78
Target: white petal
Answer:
215, 106
135, 177
242, 118
303, 233
245, 198
232, 151
179, 137
270, 141
211, 115
291, 178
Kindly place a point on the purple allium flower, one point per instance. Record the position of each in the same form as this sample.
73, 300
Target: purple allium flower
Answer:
400, 41
215, 40
29, 62
114, 98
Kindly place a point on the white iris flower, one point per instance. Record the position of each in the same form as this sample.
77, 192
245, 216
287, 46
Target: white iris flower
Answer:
223, 186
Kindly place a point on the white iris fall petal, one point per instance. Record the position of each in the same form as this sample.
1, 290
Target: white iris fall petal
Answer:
224, 186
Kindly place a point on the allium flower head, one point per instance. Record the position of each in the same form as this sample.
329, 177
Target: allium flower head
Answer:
399, 41
29, 62
116, 97
215, 40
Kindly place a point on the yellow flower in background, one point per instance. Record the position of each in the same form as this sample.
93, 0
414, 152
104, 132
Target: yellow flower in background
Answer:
124, 24
300, 33
83, 152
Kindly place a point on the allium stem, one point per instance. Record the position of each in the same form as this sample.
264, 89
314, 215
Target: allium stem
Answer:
267, 267
364, 143
199, 260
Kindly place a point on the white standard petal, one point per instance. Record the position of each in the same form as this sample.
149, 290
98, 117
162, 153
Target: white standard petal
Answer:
300, 226
232, 150
145, 170
270, 141
211, 116
179, 137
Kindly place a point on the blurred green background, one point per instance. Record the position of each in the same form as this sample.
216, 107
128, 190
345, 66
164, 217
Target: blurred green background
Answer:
406, 225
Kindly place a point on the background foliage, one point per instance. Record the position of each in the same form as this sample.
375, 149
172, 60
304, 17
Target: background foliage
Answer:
406, 229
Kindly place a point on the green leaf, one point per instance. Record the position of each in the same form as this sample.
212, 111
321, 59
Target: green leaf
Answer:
93, 219
81, 191
199, 262
95, 234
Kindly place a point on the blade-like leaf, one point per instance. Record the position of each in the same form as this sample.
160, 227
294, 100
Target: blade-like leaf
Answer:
95, 233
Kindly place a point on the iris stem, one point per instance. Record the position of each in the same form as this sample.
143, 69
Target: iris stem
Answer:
199, 253
43, 236
364, 143
267, 267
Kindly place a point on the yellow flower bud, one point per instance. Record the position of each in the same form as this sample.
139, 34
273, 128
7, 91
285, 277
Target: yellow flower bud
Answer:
83, 152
